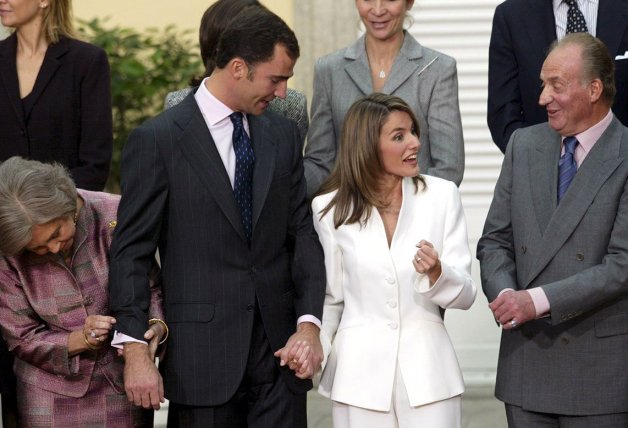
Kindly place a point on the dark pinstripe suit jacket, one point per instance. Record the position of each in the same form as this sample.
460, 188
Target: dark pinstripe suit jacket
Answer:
177, 197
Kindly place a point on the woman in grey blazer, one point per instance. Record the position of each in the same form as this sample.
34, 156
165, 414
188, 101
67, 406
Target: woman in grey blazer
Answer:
387, 59
214, 21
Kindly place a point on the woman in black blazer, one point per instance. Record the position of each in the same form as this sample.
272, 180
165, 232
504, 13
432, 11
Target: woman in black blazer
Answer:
55, 105
55, 92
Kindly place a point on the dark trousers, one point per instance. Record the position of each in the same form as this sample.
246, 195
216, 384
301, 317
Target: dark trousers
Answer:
262, 400
520, 418
7, 387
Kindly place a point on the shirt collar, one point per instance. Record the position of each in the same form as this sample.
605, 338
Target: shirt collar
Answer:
214, 110
588, 138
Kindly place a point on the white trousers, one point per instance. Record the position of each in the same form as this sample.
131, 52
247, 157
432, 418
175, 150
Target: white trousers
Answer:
441, 414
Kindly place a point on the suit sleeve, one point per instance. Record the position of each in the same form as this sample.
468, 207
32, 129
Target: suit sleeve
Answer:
308, 267
495, 249
321, 147
140, 214
28, 336
96, 135
455, 288
504, 110
334, 298
445, 128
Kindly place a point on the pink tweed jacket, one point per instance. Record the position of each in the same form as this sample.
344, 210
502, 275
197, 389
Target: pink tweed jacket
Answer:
42, 300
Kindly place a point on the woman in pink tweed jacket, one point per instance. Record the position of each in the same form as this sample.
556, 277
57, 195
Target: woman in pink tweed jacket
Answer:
54, 300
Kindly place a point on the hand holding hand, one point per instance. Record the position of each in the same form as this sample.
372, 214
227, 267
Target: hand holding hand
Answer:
426, 261
513, 308
303, 352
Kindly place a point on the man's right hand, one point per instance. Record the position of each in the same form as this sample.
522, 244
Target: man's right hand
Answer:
142, 381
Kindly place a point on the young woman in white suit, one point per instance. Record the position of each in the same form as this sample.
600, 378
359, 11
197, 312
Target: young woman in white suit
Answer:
396, 252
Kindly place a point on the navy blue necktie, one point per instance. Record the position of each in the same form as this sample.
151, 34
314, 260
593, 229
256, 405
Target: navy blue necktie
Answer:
243, 182
575, 18
567, 167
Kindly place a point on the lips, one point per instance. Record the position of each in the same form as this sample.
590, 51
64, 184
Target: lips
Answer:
410, 159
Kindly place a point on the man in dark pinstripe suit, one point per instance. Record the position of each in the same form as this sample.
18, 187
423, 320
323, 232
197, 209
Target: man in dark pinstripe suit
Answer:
243, 313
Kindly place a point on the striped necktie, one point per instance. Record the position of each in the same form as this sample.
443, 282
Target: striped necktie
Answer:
567, 167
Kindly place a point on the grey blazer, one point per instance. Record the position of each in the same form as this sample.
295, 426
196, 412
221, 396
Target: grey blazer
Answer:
574, 361
426, 79
294, 107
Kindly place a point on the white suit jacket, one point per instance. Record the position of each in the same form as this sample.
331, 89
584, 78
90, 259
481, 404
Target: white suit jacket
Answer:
379, 310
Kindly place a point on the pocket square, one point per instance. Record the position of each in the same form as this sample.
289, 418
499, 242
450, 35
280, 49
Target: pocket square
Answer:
624, 56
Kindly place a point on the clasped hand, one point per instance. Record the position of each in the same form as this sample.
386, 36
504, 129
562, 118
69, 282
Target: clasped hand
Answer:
303, 352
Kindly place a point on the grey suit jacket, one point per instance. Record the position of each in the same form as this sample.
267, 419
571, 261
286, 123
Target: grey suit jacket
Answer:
573, 362
424, 78
294, 107
177, 197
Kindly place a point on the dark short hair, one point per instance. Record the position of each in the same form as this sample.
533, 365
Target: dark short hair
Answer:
597, 62
253, 37
213, 23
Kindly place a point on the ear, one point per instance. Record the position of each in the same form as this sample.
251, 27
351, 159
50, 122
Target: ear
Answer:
238, 68
595, 90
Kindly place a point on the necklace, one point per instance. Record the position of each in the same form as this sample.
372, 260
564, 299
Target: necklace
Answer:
382, 74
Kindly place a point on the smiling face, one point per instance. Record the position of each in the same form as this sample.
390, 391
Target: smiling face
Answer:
260, 84
53, 237
567, 96
17, 13
399, 145
383, 19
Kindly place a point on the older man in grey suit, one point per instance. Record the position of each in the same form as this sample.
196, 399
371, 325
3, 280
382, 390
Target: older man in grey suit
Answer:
554, 253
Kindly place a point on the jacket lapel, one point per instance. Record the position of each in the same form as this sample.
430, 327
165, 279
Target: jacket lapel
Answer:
407, 63
599, 165
264, 148
52, 62
8, 76
544, 173
612, 24
358, 69
199, 149
540, 26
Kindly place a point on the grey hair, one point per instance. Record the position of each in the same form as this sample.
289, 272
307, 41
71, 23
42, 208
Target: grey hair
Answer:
31, 193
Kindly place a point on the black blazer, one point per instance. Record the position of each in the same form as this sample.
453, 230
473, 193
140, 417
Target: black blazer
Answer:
177, 197
70, 121
522, 32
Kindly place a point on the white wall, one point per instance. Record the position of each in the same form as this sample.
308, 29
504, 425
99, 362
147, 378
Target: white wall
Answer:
461, 28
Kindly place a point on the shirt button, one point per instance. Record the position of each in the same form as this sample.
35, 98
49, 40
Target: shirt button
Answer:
392, 304
390, 280
393, 326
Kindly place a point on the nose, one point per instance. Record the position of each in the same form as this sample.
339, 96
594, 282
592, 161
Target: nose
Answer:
54, 247
545, 98
379, 8
281, 90
416, 144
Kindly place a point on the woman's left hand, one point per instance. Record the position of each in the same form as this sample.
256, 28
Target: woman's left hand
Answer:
426, 261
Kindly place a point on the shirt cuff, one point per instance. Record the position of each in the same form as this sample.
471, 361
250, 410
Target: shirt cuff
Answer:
309, 318
119, 339
541, 304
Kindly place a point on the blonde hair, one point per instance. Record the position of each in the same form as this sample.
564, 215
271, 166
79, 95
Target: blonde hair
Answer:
58, 21
358, 169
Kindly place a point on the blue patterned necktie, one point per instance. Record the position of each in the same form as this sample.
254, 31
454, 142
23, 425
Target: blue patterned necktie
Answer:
243, 182
575, 18
567, 167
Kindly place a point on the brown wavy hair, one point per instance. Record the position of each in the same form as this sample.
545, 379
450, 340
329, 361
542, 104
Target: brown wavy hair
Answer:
358, 171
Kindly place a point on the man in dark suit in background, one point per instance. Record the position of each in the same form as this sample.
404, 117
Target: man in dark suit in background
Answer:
243, 271
522, 32
554, 251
